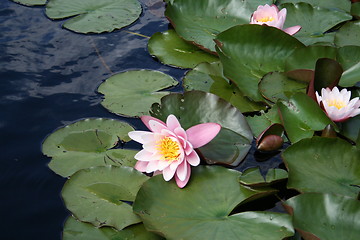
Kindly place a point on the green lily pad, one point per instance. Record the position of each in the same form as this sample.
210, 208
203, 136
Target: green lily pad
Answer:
355, 10
170, 49
201, 20
249, 51
274, 86
100, 195
232, 143
349, 34
325, 216
305, 58
31, 2
351, 128
88, 143
328, 165
132, 93
208, 77
93, 16
306, 15
252, 177
259, 123
344, 5
301, 116
76, 230
201, 210
349, 58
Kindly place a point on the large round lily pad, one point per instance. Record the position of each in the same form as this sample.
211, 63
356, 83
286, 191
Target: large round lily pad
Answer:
77, 230
201, 20
132, 93
301, 116
101, 195
208, 77
328, 165
349, 34
306, 15
248, 52
344, 5
325, 216
93, 16
170, 49
88, 143
201, 210
31, 2
232, 143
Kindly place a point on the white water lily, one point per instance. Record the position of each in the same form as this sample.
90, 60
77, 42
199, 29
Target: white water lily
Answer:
337, 104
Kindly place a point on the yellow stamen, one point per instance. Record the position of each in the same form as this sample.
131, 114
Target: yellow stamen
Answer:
265, 19
336, 103
169, 149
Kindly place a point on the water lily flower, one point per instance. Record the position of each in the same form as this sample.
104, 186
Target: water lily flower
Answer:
337, 105
271, 16
169, 149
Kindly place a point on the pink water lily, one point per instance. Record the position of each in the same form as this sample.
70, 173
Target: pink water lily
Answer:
169, 149
271, 16
337, 104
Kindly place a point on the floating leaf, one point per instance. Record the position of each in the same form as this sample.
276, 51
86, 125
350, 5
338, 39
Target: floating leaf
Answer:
253, 177
325, 216
170, 49
76, 230
132, 93
351, 128
355, 10
201, 210
201, 20
248, 52
87, 143
274, 86
259, 123
328, 165
31, 2
209, 78
100, 195
344, 5
349, 34
231, 145
327, 74
301, 116
306, 15
93, 16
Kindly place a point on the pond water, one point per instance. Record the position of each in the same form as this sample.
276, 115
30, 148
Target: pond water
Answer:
49, 78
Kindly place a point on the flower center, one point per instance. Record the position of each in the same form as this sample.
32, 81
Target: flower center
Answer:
336, 103
265, 19
169, 149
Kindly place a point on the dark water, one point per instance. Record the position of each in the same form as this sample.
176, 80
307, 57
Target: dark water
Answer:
48, 78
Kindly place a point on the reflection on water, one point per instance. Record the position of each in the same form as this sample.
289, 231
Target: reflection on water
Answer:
48, 78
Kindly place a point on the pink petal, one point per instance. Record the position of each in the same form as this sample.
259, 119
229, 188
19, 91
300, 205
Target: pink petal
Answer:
156, 126
146, 120
141, 166
292, 30
144, 155
180, 183
152, 166
201, 134
138, 136
181, 171
172, 122
193, 159
168, 173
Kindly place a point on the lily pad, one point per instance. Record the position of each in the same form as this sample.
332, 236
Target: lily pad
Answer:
306, 15
31, 2
208, 77
132, 93
201, 20
93, 16
76, 230
349, 58
232, 143
253, 177
88, 143
355, 10
201, 210
248, 52
328, 165
325, 216
259, 123
170, 49
349, 34
274, 86
351, 128
101, 195
301, 116
344, 5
